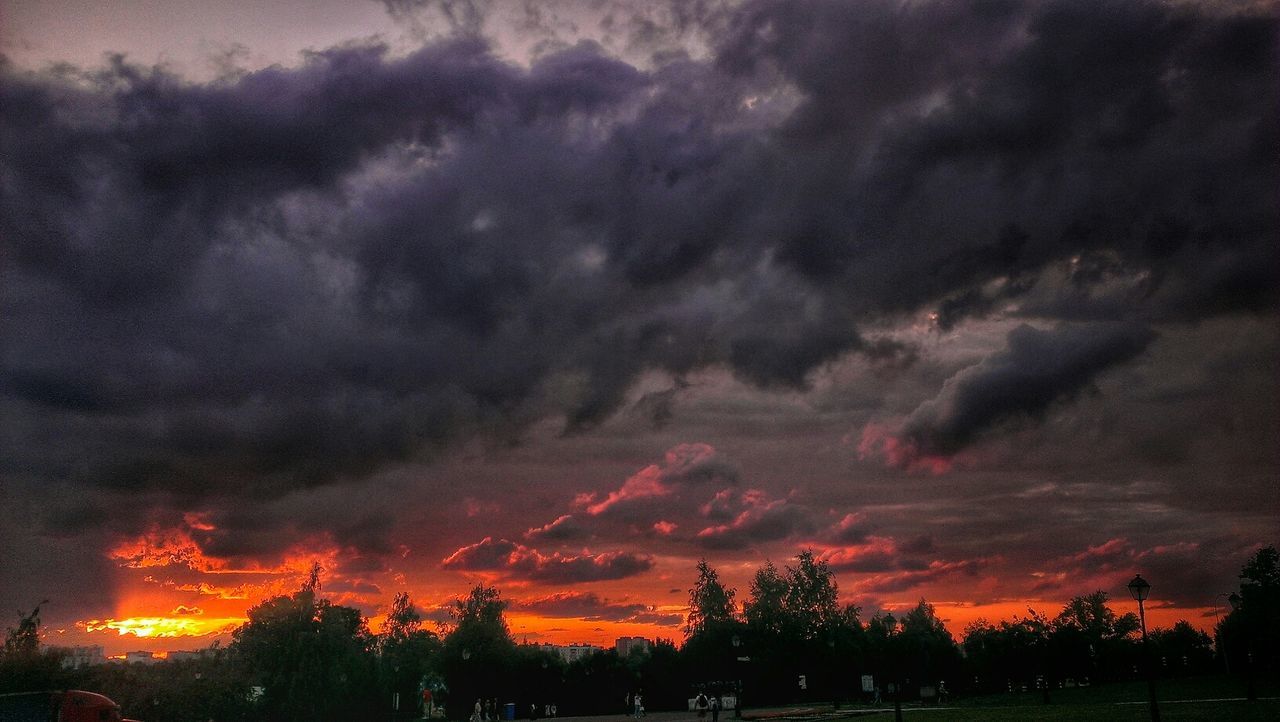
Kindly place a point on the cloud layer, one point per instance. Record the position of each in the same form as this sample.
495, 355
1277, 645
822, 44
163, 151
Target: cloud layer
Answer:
259, 297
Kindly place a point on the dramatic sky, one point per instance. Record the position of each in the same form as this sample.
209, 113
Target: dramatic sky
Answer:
976, 299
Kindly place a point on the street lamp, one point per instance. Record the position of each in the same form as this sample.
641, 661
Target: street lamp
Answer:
1140, 589
737, 704
1219, 639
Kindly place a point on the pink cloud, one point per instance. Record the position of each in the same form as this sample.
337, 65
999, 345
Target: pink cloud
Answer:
851, 529
900, 581
875, 554
563, 528
520, 562
682, 464
1111, 548
896, 450
643, 484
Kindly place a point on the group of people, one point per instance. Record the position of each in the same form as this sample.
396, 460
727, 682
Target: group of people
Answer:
704, 704
487, 710
635, 705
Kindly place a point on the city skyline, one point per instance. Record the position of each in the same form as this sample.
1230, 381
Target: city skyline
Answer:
975, 300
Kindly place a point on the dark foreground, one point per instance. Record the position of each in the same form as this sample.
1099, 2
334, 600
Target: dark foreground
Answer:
1237, 709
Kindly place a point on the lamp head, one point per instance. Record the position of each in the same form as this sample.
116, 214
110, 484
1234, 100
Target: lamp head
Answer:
1139, 588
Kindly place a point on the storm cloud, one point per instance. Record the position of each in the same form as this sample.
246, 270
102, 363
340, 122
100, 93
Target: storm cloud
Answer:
264, 294
1037, 369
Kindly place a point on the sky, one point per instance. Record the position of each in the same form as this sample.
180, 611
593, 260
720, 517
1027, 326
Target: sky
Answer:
976, 299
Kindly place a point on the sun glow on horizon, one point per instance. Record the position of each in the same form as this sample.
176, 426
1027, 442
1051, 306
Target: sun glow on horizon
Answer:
160, 627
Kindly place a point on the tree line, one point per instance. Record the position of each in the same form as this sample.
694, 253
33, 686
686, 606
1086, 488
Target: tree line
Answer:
303, 657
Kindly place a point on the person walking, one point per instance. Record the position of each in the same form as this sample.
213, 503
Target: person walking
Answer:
700, 704
477, 712
715, 708
639, 705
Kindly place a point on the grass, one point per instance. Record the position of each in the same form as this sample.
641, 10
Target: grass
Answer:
1195, 698
1187, 688
1236, 711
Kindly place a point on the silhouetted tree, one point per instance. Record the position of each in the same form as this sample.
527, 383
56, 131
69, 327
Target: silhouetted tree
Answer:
313, 658
535, 677
23, 665
1012, 653
887, 655
214, 686
1182, 650
811, 602
406, 653
1250, 634
710, 603
765, 611
1090, 640
930, 651
24, 640
478, 652
597, 684
849, 653
710, 626
662, 674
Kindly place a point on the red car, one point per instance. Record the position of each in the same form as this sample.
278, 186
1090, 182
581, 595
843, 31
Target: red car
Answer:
72, 705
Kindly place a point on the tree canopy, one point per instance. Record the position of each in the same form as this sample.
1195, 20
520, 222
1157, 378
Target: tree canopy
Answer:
710, 603
311, 656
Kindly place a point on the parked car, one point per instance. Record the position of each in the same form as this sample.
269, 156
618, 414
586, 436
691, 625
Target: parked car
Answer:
71, 705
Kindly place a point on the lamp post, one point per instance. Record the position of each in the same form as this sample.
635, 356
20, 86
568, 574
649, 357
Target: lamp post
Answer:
740, 658
1251, 691
1139, 589
1219, 640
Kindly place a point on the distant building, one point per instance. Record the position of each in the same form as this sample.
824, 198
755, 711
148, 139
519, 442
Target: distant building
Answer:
141, 657
184, 654
624, 645
571, 652
76, 657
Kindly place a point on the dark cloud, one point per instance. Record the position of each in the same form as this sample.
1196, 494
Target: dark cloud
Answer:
901, 581
485, 555
520, 562
851, 529
440, 616
352, 586
885, 564
591, 607
1037, 369
222, 295
922, 544
697, 464
760, 520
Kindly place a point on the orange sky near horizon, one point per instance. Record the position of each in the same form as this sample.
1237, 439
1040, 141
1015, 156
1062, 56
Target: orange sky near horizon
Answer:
159, 617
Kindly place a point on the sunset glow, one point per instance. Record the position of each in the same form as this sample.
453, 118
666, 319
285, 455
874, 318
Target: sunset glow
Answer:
144, 627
